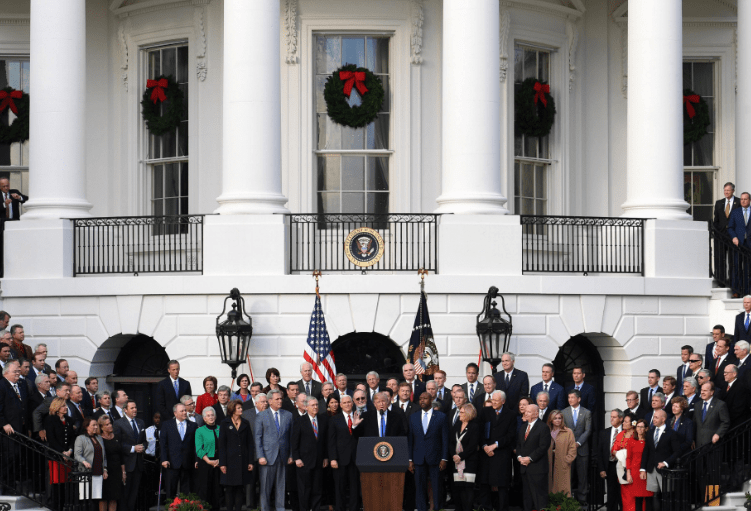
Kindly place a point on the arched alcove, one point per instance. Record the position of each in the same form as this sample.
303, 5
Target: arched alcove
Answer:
357, 353
579, 351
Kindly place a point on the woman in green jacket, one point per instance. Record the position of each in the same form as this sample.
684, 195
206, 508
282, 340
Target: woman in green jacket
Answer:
208, 459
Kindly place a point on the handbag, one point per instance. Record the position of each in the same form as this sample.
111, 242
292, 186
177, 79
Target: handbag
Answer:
620, 467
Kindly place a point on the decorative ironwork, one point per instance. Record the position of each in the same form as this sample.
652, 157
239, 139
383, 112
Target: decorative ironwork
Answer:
138, 244
317, 241
729, 265
576, 244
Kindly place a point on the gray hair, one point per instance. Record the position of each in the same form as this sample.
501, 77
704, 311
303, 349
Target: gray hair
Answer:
328, 383
618, 411
223, 388
372, 373
174, 407
184, 400
429, 383
270, 393
691, 381
172, 362
345, 396
510, 355
9, 366
498, 392
206, 410
437, 405
543, 393
742, 345
311, 399
659, 395
305, 364
732, 368
40, 378
706, 373
41, 344
488, 376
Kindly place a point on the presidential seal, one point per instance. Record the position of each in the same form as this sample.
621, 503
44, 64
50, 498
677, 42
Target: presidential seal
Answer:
383, 451
364, 247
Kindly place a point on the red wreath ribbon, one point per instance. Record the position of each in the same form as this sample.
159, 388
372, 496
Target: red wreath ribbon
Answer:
7, 100
158, 92
693, 98
353, 78
540, 91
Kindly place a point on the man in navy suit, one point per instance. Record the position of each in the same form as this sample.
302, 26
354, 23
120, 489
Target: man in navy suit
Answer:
555, 390
130, 431
514, 382
532, 442
380, 422
739, 230
178, 447
722, 210
428, 447
741, 332
272, 437
170, 390
89, 401
661, 449
341, 387
724, 358
342, 448
472, 387
75, 408
418, 387
587, 391
13, 400
684, 369
308, 446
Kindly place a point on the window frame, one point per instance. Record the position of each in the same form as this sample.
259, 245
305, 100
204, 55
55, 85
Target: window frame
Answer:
18, 175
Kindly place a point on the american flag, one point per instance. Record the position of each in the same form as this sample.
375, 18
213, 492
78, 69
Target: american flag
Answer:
318, 349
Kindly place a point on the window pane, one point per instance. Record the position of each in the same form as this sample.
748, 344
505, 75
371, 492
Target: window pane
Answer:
158, 182
320, 54
539, 181
687, 76
377, 203
25, 76
687, 187
386, 105
169, 67
182, 139
353, 51
154, 64
353, 173
687, 152
169, 144
172, 206
333, 55
171, 180
703, 187
13, 68
328, 172
517, 179
379, 64
527, 181
158, 208
320, 82
530, 63
518, 64
184, 179
528, 207
353, 138
377, 133
530, 147
703, 78
378, 173
353, 203
703, 151
182, 64
543, 65
328, 203
184, 88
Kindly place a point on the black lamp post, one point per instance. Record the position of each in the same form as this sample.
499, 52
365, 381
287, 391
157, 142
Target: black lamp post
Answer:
234, 332
493, 331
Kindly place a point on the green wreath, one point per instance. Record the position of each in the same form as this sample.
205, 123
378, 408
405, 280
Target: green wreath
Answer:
534, 118
696, 126
18, 130
162, 104
335, 93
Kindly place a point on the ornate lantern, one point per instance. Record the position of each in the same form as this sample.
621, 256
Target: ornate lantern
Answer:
234, 332
493, 330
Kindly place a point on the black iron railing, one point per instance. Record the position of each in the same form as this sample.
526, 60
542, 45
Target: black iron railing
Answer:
317, 241
138, 244
596, 497
729, 265
31, 469
709, 472
576, 244
148, 490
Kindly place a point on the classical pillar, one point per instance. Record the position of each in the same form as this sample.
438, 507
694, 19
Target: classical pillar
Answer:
57, 127
654, 181
252, 150
742, 101
471, 123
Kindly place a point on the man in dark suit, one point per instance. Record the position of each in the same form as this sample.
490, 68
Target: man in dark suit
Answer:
579, 420
178, 448
170, 390
543, 403
443, 393
288, 403
739, 230
512, 381
373, 379
403, 402
308, 450
307, 384
428, 447
418, 387
741, 331
684, 369
12, 200
342, 448
36, 397
220, 407
532, 443
741, 352
75, 409
587, 391
498, 440
633, 404
13, 400
606, 462
375, 419
661, 449
130, 432
556, 394
723, 359
711, 417
341, 387
488, 387
89, 400
737, 397
250, 415
722, 210
690, 392
472, 387
645, 395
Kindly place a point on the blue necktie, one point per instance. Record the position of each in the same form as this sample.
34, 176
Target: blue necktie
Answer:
425, 422
182, 430
576, 414
135, 429
315, 427
747, 320
177, 390
383, 424
657, 435
471, 392
704, 411
276, 419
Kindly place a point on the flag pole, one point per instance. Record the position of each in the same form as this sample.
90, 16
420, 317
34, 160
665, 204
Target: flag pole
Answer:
317, 274
421, 272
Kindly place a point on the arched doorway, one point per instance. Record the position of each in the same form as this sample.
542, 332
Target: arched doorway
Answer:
357, 353
579, 351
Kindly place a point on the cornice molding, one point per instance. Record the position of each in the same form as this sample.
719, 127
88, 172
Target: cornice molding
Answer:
543, 7
201, 66
415, 40
124, 11
503, 41
290, 26
123, 52
572, 31
14, 20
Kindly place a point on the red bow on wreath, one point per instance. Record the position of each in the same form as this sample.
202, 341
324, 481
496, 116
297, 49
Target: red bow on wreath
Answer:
540, 91
693, 98
7, 100
158, 92
356, 78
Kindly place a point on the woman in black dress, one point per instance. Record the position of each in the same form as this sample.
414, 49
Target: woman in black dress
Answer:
464, 442
60, 437
112, 489
236, 453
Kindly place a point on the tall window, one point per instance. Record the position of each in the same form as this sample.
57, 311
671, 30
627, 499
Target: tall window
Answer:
14, 158
352, 165
167, 158
531, 154
698, 157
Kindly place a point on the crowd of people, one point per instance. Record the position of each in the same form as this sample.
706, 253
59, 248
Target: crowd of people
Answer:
473, 445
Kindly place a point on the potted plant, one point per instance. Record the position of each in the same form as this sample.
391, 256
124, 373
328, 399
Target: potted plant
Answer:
561, 502
189, 502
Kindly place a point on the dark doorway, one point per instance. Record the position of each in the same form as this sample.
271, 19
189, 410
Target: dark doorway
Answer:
357, 353
141, 364
579, 351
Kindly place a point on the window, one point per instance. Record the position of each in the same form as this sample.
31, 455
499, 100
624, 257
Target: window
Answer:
14, 158
167, 158
352, 165
698, 157
531, 154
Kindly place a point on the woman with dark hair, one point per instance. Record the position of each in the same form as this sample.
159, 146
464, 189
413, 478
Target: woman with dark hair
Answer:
60, 438
634, 492
621, 443
209, 398
561, 454
464, 443
681, 424
89, 452
273, 377
113, 487
333, 406
236, 454
243, 393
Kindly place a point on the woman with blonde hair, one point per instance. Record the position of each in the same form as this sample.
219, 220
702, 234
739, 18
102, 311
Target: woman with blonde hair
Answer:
464, 443
561, 454
113, 487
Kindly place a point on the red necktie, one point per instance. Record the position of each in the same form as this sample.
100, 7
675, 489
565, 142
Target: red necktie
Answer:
717, 366
93, 402
529, 426
349, 423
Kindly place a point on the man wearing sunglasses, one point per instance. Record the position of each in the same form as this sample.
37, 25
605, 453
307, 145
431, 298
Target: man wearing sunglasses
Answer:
361, 401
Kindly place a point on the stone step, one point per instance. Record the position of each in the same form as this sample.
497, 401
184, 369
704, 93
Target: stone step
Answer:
735, 499
20, 503
721, 293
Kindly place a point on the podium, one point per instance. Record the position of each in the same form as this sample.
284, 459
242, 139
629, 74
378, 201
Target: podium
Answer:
382, 463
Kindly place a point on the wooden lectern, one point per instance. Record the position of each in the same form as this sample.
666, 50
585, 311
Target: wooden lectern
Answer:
382, 463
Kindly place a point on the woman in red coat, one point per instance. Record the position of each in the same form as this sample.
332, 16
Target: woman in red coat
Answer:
634, 493
208, 399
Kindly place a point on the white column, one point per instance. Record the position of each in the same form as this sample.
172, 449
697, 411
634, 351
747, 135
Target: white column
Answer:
471, 129
57, 128
251, 166
654, 181
742, 101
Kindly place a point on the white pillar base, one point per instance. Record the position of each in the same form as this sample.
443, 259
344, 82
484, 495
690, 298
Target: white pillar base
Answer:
495, 242
474, 204
230, 245
38, 250
666, 209
661, 259
42, 209
251, 204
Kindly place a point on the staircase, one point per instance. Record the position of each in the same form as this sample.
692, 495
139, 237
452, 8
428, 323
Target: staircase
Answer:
11, 503
731, 501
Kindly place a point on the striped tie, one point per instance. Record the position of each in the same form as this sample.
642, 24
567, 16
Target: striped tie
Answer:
315, 427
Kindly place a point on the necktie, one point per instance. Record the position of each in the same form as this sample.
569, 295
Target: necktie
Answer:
704, 411
135, 428
545, 387
93, 402
542, 412
412, 393
307, 388
404, 407
9, 207
425, 422
276, 420
177, 390
182, 430
315, 427
727, 208
440, 394
383, 424
471, 391
683, 376
109, 414
349, 423
651, 391
78, 405
745, 216
579, 388
747, 320
657, 435
498, 412
15, 387
456, 416
508, 378
576, 414
529, 426
717, 365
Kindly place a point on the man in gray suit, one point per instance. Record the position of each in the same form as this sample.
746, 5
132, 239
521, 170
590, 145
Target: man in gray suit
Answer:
250, 415
711, 417
130, 432
272, 437
579, 419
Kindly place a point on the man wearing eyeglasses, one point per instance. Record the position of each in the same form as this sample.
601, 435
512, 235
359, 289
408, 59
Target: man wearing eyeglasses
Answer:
633, 406
361, 401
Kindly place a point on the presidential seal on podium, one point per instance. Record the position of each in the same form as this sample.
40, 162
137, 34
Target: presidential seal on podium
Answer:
383, 451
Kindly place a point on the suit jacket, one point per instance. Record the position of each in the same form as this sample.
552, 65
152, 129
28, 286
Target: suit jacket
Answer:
497, 428
75, 415
685, 432
15, 205
34, 400
717, 421
739, 334
271, 443
181, 453
431, 446
165, 398
518, 387
86, 402
640, 411
128, 439
535, 446
446, 400
394, 424
604, 449
341, 444
410, 408
546, 414
250, 416
582, 430
315, 387
644, 400
12, 409
479, 389
305, 445
738, 400
419, 388
667, 450
679, 379
346, 392
220, 415
737, 227
589, 399
558, 398
719, 220
692, 404
718, 377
